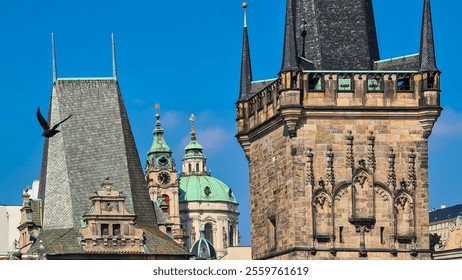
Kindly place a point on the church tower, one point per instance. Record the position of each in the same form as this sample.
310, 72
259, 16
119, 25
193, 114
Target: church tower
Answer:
163, 184
207, 205
337, 144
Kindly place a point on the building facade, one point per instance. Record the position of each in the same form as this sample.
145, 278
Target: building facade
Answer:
337, 144
446, 223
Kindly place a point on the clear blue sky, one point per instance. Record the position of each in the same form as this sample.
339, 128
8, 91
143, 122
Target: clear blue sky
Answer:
185, 55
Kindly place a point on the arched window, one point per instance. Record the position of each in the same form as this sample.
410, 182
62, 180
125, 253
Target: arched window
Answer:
231, 235
165, 204
197, 167
209, 232
189, 167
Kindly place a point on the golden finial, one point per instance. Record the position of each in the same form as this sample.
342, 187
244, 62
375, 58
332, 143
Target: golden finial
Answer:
191, 118
157, 107
244, 5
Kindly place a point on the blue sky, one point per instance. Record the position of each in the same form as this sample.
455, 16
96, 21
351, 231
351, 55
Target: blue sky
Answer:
186, 56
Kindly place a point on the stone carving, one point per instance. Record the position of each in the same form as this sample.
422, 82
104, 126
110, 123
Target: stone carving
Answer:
330, 168
371, 164
391, 170
350, 160
361, 179
320, 200
401, 201
383, 194
411, 173
310, 176
341, 193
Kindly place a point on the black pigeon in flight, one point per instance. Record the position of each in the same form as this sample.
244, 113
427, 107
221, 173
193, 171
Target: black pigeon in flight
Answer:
47, 132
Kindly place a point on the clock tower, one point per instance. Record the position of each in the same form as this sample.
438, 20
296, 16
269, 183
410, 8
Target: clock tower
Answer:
163, 184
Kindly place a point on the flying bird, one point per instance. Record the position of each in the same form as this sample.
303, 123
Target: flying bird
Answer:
47, 132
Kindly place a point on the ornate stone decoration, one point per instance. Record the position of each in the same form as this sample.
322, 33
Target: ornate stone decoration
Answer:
411, 173
360, 179
391, 170
310, 176
371, 163
330, 168
108, 227
350, 160
320, 200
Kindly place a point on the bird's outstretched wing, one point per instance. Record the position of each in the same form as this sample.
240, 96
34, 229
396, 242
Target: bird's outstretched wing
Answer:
56, 125
42, 120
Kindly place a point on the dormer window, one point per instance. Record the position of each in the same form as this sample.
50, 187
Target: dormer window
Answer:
207, 191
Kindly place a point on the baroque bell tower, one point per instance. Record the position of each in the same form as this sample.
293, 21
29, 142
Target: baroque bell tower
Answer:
163, 184
337, 143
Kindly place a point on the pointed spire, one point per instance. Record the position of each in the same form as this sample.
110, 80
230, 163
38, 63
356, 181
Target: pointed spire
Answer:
158, 143
427, 45
289, 56
53, 55
114, 64
193, 131
246, 66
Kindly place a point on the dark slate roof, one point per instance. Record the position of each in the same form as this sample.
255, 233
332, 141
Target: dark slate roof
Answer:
445, 214
404, 63
427, 45
257, 86
336, 34
290, 54
246, 67
67, 242
36, 206
95, 142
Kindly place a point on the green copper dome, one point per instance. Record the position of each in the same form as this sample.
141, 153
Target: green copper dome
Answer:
204, 188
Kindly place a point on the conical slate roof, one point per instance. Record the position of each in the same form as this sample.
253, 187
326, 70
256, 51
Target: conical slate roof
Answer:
427, 45
96, 142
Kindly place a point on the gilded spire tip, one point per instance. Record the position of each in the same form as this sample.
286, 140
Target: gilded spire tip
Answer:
193, 131
244, 5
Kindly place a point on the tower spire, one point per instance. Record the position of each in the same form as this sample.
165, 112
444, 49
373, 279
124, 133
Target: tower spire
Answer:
53, 55
427, 45
289, 56
193, 131
114, 64
246, 66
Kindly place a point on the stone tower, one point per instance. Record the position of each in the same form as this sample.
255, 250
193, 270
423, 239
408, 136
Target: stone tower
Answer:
337, 144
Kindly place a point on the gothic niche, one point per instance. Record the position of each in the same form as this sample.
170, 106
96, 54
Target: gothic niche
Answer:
108, 226
404, 209
322, 209
363, 196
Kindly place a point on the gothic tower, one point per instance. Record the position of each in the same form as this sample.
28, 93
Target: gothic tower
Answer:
337, 144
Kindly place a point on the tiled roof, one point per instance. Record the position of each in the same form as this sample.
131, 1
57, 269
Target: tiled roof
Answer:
67, 242
404, 63
445, 214
95, 142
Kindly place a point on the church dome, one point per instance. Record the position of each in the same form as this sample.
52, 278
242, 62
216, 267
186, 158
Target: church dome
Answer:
204, 188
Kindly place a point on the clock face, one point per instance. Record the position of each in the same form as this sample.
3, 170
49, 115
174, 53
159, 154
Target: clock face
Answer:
163, 177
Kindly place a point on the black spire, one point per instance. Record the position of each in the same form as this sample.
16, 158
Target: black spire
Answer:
289, 56
427, 45
246, 66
